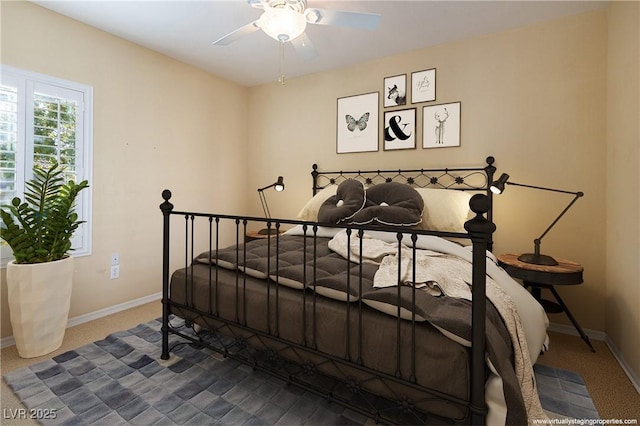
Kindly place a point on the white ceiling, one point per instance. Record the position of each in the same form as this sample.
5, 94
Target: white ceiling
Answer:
185, 30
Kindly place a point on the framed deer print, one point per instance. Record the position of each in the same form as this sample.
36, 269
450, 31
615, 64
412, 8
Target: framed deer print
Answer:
441, 125
357, 123
423, 86
395, 91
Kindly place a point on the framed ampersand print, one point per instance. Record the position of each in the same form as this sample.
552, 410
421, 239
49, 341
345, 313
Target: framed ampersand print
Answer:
400, 129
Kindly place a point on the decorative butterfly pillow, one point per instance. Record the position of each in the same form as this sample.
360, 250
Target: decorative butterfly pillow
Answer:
349, 199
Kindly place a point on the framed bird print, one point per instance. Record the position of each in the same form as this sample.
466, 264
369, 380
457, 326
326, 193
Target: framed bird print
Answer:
357, 123
423, 86
395, 91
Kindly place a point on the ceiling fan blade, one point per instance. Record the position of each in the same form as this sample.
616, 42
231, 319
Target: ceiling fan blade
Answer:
239, 33
304, 47
340, 18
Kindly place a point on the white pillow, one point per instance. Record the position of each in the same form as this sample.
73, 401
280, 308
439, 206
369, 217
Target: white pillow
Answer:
310, 210
444, 209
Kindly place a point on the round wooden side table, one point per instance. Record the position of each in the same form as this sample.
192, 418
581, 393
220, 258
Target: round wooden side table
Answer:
257, 235
537, 277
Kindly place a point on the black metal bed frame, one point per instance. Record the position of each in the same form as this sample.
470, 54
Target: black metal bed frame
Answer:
263, 349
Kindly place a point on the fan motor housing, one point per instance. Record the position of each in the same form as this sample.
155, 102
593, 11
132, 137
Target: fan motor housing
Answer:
295, 5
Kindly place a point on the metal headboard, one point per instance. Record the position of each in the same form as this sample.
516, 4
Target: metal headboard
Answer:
476, 179
460, 178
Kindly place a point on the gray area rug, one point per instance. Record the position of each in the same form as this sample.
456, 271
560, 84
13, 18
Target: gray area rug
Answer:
563, 393
122, 380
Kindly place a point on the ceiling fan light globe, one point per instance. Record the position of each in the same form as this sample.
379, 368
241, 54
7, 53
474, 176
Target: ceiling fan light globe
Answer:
312, 16
282, 24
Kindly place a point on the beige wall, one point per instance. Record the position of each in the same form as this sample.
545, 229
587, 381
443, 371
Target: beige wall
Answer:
158, 123
623, 182
537, 98
534, 97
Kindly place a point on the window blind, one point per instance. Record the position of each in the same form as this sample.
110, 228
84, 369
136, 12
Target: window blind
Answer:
42, 119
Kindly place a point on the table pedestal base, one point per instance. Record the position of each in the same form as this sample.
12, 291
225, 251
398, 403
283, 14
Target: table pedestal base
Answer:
553, 307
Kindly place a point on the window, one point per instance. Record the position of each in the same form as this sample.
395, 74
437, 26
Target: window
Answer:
44, 118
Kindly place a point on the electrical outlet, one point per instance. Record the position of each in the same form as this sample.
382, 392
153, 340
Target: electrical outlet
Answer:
115, 259
115, 271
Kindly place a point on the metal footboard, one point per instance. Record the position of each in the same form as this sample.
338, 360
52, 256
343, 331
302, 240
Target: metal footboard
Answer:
296, 360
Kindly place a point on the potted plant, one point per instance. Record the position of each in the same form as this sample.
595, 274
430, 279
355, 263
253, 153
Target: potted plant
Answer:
39, 280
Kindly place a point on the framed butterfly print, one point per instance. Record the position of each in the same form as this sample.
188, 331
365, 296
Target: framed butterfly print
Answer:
423, 86
357, 123
400, 129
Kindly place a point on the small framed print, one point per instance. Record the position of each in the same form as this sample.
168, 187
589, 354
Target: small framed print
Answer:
395, 91
357, 123
423, 86
441, 125
400, 129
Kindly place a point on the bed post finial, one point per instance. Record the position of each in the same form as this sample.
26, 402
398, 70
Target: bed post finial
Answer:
490, 168
166, 206
480, 204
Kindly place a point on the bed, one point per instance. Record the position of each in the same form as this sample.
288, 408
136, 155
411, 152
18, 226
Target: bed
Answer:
382, 296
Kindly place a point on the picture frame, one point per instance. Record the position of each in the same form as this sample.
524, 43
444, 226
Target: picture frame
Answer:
357, 123
423, 86
441, 125
400, 129
395, 91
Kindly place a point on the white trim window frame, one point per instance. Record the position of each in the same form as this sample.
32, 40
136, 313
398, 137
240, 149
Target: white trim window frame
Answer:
32, 104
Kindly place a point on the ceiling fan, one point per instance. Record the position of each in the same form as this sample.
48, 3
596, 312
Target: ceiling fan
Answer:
286, 21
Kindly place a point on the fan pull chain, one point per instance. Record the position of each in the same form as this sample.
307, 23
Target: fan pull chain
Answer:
281, 80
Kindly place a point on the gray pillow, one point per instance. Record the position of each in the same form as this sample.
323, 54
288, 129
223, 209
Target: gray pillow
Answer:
390, 204
349, 199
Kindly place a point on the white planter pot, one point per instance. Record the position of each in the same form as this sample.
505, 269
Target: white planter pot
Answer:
39, 296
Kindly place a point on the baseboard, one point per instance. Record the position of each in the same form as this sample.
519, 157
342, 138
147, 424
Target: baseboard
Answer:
571, 330
81, 319
5, 342
635, 380
602, 336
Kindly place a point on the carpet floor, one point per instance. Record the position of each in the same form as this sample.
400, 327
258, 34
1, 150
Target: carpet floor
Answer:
121, 380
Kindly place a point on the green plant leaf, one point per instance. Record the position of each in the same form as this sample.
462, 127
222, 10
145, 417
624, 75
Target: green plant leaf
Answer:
45, 222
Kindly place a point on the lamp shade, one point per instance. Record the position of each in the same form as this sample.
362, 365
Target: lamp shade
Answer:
279, 185
497, 187
282, 23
